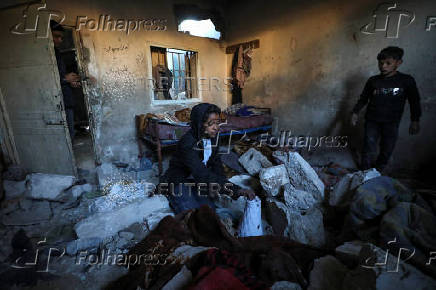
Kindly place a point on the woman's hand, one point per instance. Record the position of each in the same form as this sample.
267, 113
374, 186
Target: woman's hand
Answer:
248, 193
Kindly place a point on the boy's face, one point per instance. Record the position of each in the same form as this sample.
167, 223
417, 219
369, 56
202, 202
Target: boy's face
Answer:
212, 125
388, 67
58, 36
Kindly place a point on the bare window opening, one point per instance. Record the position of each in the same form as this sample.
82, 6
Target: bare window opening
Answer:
174, 72
203, 28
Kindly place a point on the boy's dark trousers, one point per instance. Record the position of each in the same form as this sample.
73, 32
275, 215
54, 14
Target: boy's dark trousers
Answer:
387, 133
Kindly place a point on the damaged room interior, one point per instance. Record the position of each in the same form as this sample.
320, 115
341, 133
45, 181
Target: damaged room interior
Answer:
185, 144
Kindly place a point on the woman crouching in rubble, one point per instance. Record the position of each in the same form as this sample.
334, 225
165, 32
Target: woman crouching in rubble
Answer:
195, 174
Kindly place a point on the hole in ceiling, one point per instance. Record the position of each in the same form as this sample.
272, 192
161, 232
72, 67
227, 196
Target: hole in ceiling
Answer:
201, 28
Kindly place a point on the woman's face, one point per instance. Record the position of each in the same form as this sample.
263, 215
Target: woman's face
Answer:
211, 126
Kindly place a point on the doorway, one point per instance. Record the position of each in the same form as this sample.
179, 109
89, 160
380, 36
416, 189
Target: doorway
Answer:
82, 142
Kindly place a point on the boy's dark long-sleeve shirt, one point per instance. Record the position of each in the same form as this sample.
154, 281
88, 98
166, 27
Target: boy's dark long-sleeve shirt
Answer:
386, 97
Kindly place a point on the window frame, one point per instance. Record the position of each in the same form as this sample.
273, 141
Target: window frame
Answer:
149, 87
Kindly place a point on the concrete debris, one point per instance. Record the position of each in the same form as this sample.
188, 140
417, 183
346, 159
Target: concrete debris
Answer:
106, 173
120, 194
341, 194
278, 216
304, 227
349, 253
390, 272
14, 173
298, 199
75, 246
122, 243
180, 281
301, 174
307, 228
38, 212
26, 204
285, 285
228, 224
8, 207
14, 189
327, 273
273, 178
61, 233
108, 223
253, 161
237, 206
230, 159
47, 186
245, 181
77, 190
126, 235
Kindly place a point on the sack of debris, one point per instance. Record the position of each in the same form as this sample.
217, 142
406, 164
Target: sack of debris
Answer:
251, 224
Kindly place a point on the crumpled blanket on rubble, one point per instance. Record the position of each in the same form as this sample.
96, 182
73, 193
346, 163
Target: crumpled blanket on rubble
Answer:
268, 259
386, 208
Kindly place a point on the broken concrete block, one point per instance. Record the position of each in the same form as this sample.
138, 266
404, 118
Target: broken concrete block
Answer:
126, 235
298, 199
26, 204
47, 186
38, 212
245, 181
14, 189
301, 174
327, 273
237, 206
104, 224
278, 216
75, 246
307, 228
273, 178
77, 190
341, 191
253, 161
285, 285
349, 253
14, 173
107, 173
120, 194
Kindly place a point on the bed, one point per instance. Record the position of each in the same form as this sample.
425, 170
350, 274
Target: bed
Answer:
161, 134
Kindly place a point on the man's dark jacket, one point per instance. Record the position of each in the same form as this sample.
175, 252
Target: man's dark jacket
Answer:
187, 161
67, 92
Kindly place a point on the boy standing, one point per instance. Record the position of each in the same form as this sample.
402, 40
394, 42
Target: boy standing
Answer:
386, 96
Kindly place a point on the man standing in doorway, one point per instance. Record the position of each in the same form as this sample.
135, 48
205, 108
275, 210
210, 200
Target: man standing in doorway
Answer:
67, 80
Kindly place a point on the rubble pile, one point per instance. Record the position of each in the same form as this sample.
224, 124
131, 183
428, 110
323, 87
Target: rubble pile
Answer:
356, 225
